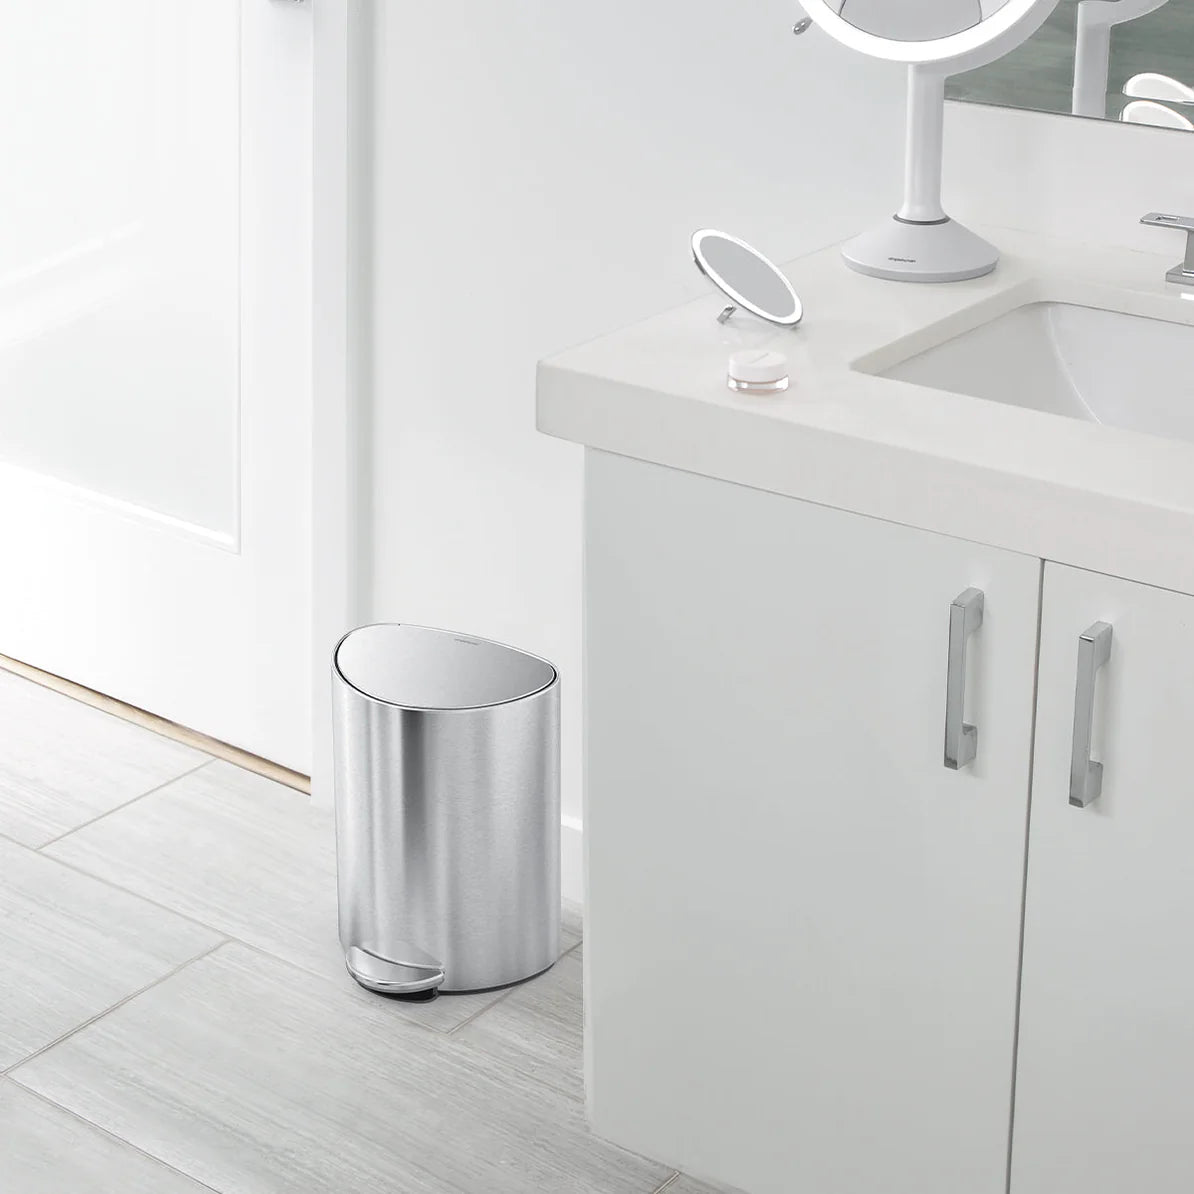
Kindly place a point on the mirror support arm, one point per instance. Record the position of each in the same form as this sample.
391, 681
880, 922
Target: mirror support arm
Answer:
925, 146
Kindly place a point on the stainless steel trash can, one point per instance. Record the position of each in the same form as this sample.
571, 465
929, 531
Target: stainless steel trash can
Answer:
447, 775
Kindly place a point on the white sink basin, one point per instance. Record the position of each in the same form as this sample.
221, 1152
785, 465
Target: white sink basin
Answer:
1100, 366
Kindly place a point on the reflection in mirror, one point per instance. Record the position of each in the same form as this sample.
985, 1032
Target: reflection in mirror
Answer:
746, 277
1125, 60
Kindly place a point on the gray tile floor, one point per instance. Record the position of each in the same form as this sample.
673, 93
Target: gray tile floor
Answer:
175, 1016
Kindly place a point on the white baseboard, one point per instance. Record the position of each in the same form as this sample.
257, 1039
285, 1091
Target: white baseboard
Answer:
572, 860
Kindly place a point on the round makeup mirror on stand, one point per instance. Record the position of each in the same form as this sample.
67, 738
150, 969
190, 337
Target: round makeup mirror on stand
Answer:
936, 38
748, 279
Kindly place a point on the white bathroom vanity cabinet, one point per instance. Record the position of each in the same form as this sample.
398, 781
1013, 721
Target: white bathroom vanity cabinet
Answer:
827, 950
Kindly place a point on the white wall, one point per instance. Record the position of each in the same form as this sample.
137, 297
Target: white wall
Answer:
537, 168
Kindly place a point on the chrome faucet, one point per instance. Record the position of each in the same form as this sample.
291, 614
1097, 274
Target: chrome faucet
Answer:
1183, 272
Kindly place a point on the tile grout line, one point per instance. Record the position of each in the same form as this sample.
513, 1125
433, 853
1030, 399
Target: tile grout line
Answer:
307, 970
110, 1135
326, 978
226, 938
439, 1032
413, 1021
11, 1070
136, 895
481, 1011
229, 938
120, 807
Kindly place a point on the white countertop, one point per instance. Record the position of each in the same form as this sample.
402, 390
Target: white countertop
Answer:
1079, 493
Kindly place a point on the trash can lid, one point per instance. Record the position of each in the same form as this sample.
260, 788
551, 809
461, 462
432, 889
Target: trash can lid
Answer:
415, 667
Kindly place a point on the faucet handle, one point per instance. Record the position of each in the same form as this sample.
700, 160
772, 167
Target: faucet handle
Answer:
1183, 272
1158, 219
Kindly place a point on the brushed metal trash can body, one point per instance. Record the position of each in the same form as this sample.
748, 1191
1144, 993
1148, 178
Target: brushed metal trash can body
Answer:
447, 766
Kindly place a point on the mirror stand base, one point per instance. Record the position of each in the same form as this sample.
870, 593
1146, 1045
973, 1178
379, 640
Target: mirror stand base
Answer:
945, 251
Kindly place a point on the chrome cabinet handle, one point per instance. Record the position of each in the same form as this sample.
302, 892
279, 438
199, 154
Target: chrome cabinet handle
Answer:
1086, 776
961, 740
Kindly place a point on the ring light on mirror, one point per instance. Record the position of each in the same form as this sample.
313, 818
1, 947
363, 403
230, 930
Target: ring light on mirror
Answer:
746, 278
1160, 88
1155, 114
968, 33
936, 38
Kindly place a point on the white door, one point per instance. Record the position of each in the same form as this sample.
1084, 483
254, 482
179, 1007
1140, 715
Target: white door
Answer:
1107, 1007
804, 930
155, 247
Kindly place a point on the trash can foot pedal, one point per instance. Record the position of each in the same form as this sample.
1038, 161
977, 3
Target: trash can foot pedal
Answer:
419, 974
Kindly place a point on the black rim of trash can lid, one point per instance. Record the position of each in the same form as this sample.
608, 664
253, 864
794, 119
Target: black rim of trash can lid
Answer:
428, 669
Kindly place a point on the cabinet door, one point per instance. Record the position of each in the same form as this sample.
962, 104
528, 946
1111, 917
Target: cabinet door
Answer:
802, 935
1106, 1057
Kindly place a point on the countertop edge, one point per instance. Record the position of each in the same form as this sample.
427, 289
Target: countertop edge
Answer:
1104, 533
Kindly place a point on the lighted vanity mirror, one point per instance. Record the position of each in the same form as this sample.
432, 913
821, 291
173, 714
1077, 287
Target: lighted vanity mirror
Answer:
1098, 366
919, 242
746, 278
1125, 60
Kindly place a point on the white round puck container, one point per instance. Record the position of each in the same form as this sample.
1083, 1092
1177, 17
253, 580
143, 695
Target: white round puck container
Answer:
758, 371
